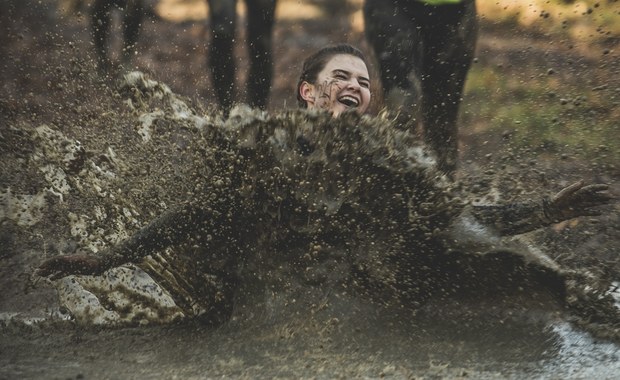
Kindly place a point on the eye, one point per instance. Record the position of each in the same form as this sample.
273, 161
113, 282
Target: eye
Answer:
340, 76
364, 84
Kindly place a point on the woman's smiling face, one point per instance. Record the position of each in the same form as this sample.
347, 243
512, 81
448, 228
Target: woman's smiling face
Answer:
342, 85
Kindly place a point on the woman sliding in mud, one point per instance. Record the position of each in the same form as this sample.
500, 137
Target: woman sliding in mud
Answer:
308, 183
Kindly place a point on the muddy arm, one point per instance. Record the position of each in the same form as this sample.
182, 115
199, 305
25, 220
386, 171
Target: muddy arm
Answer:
172, 227
512, 219
575, 200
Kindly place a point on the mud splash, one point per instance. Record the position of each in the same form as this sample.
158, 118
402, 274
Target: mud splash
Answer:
330, 219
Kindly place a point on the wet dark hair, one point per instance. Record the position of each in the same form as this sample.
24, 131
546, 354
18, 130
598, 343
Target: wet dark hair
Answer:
317, 61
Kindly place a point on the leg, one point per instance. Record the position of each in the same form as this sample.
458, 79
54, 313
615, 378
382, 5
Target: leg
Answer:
100, 24
261, 17
424, 53
221, 62
397, 47
449, 44
132, 20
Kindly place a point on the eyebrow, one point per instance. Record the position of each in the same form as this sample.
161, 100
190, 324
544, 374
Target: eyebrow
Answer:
340, 71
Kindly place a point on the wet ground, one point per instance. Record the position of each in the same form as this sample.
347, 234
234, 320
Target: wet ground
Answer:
443, 341
516, 338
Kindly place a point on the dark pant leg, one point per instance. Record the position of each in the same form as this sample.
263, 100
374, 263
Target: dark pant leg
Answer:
261, 18
100, 25
221, 61
424, 53
449, 34
397, 45
132, 20
394, 41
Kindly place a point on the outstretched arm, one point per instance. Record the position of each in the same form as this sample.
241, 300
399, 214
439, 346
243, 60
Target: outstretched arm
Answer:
170, 228
573, 201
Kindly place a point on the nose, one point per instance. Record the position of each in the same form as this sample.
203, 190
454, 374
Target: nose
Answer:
353, 84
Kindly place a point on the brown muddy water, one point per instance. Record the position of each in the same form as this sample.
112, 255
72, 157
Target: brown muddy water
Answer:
347, 339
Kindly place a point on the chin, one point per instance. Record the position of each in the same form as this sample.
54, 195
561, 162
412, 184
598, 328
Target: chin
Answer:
336, 111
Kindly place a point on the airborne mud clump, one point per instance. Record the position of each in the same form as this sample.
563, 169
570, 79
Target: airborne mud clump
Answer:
290, 214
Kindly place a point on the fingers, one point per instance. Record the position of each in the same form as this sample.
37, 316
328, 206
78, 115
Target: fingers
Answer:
62, 266
596, 187
578, 193
592, 189
52, 269
593, 195
48, 267
568, 191
578, 200
595, 190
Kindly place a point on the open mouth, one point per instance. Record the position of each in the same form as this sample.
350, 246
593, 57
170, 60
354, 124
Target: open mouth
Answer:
349, 101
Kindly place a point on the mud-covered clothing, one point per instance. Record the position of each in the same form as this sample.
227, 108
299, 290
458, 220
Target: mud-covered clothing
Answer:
273, 208
202, 276
301, 190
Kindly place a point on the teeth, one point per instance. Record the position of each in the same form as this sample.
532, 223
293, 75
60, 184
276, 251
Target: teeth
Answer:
349, 101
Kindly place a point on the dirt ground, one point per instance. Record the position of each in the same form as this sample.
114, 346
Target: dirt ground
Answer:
43, 52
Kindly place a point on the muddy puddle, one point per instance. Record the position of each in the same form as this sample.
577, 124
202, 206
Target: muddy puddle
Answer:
453, 340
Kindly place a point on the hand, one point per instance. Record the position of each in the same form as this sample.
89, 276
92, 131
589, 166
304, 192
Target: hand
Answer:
62, 266
576, 200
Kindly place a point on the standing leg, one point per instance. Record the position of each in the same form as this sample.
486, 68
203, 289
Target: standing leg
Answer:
449, 43
100, 25
134, 12
424, 53
261, 18
221, 60
397, 45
